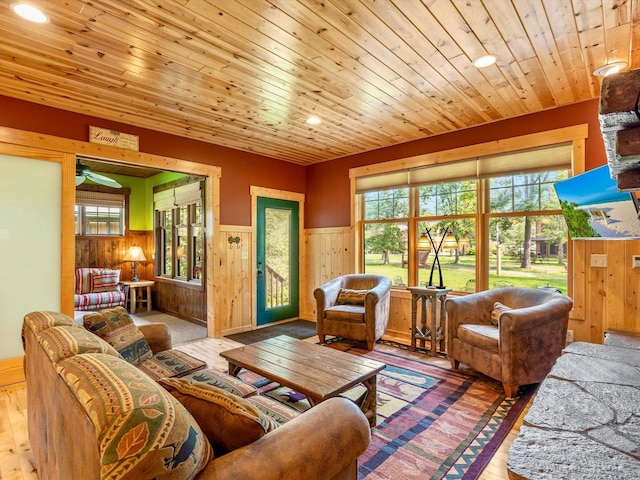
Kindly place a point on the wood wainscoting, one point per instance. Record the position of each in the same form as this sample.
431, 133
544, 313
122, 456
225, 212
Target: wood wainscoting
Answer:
604, 297
11, 371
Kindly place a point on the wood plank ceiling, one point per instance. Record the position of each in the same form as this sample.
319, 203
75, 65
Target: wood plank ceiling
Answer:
248, 73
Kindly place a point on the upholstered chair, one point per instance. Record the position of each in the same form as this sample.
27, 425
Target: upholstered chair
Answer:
513, 334
353, 306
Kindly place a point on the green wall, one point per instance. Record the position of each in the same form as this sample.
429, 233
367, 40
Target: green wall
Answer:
141, 197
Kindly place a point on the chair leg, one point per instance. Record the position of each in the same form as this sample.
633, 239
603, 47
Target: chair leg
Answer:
455, 364
321, 338
510, 391
370, 344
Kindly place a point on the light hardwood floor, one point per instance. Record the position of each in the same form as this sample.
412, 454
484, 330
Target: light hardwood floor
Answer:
16, 462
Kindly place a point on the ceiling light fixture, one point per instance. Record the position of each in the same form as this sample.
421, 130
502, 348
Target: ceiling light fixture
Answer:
313, 121
29, 12
609, 69
485, 61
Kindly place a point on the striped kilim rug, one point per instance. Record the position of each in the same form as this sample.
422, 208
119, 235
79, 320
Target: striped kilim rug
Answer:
433, 422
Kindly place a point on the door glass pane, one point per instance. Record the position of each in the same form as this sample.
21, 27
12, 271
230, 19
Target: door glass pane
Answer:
277, 258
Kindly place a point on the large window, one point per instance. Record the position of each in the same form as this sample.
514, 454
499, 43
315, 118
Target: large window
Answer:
100, 213
179, 226
508, 227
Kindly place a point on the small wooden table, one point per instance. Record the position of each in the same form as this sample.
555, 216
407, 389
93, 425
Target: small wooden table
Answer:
317, 372
434, 332
132, 293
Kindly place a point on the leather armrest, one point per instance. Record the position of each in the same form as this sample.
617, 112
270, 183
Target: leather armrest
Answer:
318, 445
158, 336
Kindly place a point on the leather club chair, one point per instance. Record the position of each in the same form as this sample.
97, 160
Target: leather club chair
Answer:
353, 306
522, 343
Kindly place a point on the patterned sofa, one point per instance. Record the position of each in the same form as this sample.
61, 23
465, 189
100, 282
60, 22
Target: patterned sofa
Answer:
93, 414
98, 288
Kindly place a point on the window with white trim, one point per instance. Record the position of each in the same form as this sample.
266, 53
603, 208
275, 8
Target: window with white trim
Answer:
179, 231
502, 206
100, 213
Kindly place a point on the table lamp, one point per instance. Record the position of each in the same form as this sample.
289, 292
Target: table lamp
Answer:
135, 255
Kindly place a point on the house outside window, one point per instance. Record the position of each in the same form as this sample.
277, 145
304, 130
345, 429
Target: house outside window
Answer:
100, 213
512, 218
179, 232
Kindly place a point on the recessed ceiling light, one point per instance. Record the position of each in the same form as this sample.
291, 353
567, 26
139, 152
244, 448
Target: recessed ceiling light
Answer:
29, 12
609, 69
485, 61
313, 121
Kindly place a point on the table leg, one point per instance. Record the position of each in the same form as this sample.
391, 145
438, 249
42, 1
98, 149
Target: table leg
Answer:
148, 298
423, 320
133, 292
434, 326
370, 403
414, 321
234, 369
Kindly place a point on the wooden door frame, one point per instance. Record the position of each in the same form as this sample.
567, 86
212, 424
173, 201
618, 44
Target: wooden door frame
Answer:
280, 195
14, 140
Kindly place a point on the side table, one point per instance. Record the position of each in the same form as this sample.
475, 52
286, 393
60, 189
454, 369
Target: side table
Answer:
132, 293
435, 331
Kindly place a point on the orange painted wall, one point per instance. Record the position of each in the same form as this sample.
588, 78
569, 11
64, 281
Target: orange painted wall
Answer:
240, 169
326, 184
327, 200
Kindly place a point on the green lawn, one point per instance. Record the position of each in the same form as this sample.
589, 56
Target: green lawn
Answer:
461, 277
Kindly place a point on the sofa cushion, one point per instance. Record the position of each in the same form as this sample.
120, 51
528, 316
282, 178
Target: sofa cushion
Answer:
223, 381
277, 411
228, 421
348, 313
94, 301
105, 281
115, 326
66, 341
170, 363
498, 309
348, 296
143, 431
486, 337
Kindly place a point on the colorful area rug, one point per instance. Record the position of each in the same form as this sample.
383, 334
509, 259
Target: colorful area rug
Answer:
433, 422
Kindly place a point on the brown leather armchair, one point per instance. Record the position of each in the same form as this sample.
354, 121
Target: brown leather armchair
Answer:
353, 306
525, 343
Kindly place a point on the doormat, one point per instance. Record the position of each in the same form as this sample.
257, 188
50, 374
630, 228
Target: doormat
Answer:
433, 422
300, 329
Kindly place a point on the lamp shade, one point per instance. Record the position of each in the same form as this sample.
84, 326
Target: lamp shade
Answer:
134, 254
449, 241
424, 243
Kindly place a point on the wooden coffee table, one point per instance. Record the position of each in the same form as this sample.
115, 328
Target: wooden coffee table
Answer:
316, 372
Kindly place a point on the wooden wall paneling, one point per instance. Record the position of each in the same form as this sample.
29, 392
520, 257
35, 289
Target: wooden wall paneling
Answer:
235, 291
615, 284
183, 301
399, 327
596, 293
328, 255
578, 316
632, 284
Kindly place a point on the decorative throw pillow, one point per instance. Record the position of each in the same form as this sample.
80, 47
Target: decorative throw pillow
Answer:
228, 421
348, 296
105, 281
498, 308
114, 326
